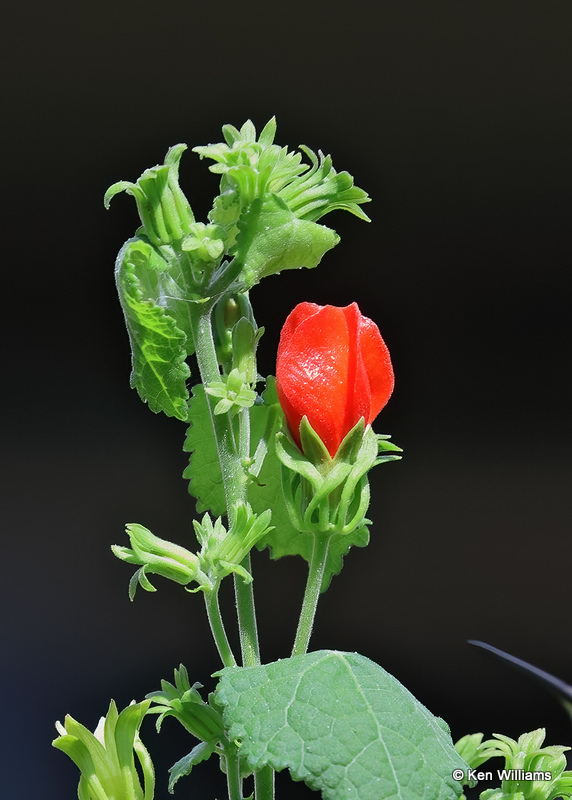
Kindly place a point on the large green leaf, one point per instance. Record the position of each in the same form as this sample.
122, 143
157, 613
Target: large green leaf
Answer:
159, 347
285, 540
272, 238
341, 724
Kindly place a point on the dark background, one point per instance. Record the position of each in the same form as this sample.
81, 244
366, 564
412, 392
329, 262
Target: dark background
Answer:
456, 118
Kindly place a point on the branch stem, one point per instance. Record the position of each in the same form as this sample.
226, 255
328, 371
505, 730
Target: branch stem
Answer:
311, 594
217, 629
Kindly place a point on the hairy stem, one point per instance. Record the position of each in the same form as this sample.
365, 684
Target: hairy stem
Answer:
235, 482
311, 594
218, 630
233, 779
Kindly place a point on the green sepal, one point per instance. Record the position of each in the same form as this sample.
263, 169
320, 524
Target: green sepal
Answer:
251, 168
313, 448
159, 345
526, 755
184, 702
321, 189
234, 391
266, 492
341, 724
325, 494
271, 238
106, 758
223, 551
160, 557
164, 210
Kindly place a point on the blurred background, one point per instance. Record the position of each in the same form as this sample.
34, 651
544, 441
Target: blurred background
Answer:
457, 119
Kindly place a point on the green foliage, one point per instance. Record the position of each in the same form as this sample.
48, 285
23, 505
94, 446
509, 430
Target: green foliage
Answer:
106, 758
271, 238
251, 168
158, 344
157, 556
203, 471
234, 392
163, 208
533, 772
341, 724
265, 491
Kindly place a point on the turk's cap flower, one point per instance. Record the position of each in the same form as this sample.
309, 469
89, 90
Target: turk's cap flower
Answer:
333, 368
105, 758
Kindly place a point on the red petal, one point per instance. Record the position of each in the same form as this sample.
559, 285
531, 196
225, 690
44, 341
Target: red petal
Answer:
311, 371
377, 365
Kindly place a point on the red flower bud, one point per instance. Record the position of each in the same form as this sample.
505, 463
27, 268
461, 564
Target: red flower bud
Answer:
332, 367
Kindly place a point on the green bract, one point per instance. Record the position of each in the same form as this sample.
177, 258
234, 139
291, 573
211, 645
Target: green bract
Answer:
163, 208
221, 552
325, 494
533, 772
159, 557
105, 758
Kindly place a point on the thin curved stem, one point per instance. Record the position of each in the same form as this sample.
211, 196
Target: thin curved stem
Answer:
311, 594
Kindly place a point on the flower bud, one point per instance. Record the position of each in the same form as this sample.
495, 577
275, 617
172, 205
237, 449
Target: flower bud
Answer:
333, 368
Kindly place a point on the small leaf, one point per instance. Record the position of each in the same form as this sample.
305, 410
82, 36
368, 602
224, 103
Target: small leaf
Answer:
159, 347
271, 238
341, 724
185, 765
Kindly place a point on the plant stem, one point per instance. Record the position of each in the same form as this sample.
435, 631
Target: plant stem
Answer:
264, 784
246, 613
311, 594
217, 629
233, 779
233, 475
234, 482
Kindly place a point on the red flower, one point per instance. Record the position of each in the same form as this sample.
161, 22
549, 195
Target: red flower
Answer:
332, 367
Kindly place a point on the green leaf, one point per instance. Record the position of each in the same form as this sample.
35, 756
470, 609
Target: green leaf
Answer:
341, 724
185, 765
203, 471
271, 238
285, 540
159, 346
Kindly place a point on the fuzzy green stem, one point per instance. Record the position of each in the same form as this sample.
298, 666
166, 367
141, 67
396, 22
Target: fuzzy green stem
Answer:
264, 784
246, 613
312, 593
234, 482
233, 779
233, 475
217, 629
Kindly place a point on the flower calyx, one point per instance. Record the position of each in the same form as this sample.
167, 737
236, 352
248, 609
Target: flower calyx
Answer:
326, 494
164, 210
223, 551
184, 702
106, 757
160, 557
531, 772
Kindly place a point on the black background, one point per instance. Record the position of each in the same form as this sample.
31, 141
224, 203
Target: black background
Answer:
456, 118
